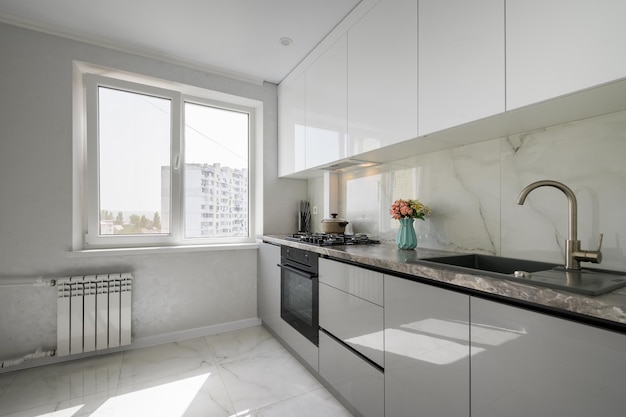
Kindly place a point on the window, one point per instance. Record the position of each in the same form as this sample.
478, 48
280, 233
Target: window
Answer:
156, 158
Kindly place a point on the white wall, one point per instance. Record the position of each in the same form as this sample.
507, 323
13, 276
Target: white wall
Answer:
173, 292
472, 191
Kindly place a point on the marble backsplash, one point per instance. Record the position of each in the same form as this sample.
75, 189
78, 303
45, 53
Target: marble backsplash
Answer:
472, 191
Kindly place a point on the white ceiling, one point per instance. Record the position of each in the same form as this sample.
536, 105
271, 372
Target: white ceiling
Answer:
237, 36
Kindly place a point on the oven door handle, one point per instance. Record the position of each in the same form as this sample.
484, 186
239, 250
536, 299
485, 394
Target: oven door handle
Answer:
297, 271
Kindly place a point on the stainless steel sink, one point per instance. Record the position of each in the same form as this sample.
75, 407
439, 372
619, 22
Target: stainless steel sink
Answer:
488, 263
543, 274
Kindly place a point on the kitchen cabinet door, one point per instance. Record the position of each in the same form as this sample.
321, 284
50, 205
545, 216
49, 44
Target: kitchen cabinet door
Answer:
529, 364
291, 126
326, 106
382, 77
555, 47
461, 62
427, 352
361, 384
356, 322
350, 307
268, 286
360, 282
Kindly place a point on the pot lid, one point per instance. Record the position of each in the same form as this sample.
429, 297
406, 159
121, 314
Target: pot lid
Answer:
333, 219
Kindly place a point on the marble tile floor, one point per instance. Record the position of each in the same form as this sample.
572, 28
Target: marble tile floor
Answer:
245, 373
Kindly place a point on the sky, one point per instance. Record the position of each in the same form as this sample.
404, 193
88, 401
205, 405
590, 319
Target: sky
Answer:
134, 143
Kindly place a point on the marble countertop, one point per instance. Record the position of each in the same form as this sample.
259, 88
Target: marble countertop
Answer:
386, 256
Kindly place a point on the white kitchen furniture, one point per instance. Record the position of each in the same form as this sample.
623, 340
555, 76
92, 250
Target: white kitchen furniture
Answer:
326, 106
427, 350
461, 62
382, 77
351, 351
292, 125
268, 285
525, 359
300, 344
351, 307
526, 363
557, 47
485, 71
359, 383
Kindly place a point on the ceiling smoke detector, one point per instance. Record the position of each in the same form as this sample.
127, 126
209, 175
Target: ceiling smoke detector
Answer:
286, 41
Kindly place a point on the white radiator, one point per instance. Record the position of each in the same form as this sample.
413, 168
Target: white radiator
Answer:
93, 312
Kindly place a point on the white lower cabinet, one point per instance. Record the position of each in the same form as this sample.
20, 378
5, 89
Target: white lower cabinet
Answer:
357, 322
351, 351
523, 363
360, 383
427, 352
300, 344
530, 364
350, 300
268, 285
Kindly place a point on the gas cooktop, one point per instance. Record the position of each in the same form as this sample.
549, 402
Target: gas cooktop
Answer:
332, 239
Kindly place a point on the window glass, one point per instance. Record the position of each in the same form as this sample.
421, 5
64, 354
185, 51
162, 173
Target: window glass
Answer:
216, 172
164, 167
134, 136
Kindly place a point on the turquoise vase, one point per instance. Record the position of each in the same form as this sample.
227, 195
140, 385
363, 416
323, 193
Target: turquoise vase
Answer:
406, 235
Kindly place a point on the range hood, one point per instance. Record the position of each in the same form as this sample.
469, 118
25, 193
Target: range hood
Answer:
346, 165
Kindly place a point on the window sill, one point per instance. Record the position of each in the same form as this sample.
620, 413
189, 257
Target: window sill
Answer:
156, 250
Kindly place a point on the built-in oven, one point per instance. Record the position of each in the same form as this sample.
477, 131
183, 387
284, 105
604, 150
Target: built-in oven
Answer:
299, 302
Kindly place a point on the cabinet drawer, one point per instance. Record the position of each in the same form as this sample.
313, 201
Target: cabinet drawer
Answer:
357, 281
357, 322
360, 383
300, 344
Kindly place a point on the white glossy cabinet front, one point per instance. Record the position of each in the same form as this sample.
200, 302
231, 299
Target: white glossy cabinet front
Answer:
355, 321
363, 283
268, 286
461, 62
348, 309
357, 381
427, 352
555, 47
326, 106
291, 126
529, 364
382, 76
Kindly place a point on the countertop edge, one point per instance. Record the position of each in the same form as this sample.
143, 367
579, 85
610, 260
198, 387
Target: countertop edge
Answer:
610, 307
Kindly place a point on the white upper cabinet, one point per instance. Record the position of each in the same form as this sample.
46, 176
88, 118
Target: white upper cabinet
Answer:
291, 126
382, 77
461, 62
557, 47
326, 106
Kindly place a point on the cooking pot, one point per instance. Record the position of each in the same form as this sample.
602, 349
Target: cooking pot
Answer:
334, 225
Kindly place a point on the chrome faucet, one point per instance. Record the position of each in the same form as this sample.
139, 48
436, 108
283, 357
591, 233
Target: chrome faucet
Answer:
573, 254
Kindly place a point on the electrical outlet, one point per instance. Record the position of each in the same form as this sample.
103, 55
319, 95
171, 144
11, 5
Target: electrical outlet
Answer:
314, 209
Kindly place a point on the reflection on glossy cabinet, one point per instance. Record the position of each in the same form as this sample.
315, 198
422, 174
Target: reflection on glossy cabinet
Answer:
291, 125
461, 62
268, 285
361, 384
530, 364
350, 307
326, 107
427, 353
382, 76
356, 322
557, 47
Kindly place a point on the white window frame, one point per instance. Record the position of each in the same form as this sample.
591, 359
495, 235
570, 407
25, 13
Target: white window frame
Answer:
91, 218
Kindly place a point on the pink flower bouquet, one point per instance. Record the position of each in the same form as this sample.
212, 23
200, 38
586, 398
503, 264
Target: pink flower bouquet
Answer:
412, 209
